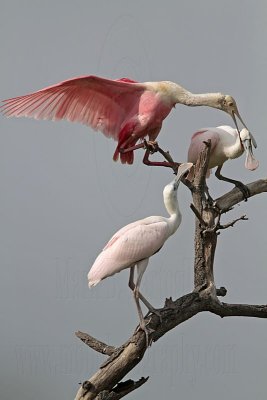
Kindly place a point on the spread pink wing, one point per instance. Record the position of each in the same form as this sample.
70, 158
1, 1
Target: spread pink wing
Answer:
101, 103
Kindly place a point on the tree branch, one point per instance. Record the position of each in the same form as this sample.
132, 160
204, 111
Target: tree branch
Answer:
121, 390
126, 357
106, 383
95, 344
231, 224
197, 214
204, 249
238, 310
230, 199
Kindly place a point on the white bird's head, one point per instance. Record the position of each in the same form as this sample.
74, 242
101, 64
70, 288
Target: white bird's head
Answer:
247, 140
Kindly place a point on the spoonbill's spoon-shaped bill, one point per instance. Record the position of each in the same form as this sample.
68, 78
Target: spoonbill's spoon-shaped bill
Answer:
133, 245
123, 109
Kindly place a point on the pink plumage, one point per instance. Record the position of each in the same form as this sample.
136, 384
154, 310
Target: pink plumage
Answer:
136, 241
123, 109
133, 245
197, 143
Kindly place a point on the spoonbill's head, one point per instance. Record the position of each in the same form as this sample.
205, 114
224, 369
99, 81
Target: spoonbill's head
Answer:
247, 140
228, 105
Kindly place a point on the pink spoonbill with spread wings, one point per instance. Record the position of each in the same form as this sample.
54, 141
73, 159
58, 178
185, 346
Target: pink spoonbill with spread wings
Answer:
123, 109
132, 245
226, 143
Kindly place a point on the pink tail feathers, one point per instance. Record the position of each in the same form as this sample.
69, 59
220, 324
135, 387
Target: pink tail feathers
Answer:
93, 278
93, 283
125, 158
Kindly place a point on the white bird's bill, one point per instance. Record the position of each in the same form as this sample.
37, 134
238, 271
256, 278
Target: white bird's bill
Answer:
253, 140
251, 163
183, 168
238, 130
247, 140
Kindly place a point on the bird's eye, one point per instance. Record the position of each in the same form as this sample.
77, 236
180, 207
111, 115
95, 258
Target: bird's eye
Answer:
231, 104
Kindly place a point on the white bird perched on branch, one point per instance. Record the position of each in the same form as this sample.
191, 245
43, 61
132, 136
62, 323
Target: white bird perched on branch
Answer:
226, 143
133, 245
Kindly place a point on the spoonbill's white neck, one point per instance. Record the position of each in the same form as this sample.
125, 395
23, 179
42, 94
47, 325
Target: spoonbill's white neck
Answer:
172, 206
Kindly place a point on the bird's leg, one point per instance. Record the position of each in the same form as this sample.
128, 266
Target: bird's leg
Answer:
151, 145
146, 161
209, 198
148, 147
141, 297
243, 188
132, 148
141, 267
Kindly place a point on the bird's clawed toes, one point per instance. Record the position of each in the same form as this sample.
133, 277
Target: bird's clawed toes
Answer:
244, 189
156, 312
152, 146
148, 331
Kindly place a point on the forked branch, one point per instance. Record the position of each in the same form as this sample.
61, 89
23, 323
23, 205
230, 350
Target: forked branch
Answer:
106, 383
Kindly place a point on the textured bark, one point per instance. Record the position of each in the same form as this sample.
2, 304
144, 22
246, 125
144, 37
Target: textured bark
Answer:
95, 344
106, 383
230, 199
205, 221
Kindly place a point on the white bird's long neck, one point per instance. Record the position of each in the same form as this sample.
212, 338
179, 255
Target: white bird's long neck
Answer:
234, 149
175, 218
175, 221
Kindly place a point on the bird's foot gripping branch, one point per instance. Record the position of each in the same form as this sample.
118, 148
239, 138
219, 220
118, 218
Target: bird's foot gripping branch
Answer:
107, 382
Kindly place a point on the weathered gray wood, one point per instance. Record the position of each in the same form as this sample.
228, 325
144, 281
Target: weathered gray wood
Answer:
230, 199
95, 344
105, 383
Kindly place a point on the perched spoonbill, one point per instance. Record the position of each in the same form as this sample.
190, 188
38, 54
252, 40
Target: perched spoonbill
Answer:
123, 109
132, 245
225, 144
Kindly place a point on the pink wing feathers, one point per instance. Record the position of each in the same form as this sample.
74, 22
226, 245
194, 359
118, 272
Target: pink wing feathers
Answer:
101, 103
134, 242
146, 221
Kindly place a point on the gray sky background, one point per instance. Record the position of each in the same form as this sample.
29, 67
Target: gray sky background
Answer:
63, 197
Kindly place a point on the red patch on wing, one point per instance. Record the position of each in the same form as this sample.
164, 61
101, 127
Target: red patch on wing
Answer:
198, 133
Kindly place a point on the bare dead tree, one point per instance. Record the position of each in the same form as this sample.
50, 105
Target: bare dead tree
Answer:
106, 383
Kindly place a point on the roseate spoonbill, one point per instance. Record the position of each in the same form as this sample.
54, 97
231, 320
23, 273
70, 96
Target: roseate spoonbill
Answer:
225, 144
123, 109
132, 245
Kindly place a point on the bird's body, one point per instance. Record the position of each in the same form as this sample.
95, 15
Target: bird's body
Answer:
136, 241
132, 245
225, 144
123, 109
